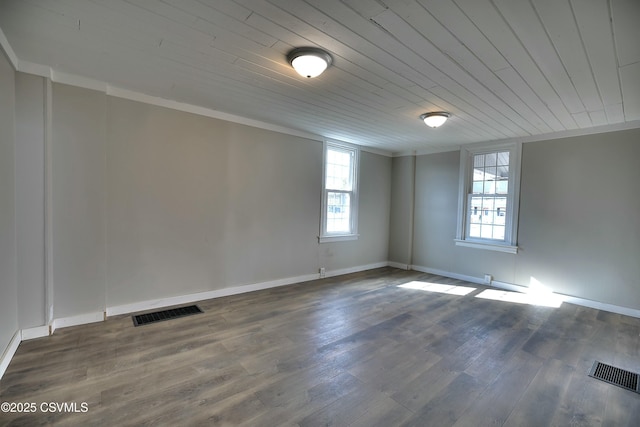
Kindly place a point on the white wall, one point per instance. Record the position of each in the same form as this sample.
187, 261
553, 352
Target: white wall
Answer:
579, 232
435, 212
199, 204
152, 203
8, 281
580, 216
400, 225
78, 210
30, 199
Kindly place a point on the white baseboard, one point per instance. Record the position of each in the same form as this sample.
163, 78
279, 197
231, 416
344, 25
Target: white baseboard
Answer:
37, 332
626, 311
508, 286
200, 296
523, 289
464, 277
80, 319
9, 352
235, 290
357, 269
398, 265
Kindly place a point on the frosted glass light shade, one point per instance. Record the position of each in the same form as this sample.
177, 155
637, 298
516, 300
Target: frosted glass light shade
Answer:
309, 62
309, 66
436, 119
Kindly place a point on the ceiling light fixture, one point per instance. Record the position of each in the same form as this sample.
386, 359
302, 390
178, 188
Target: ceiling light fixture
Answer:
434, 120
309, 61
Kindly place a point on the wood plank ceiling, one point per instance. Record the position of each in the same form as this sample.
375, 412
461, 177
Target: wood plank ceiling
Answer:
504, 68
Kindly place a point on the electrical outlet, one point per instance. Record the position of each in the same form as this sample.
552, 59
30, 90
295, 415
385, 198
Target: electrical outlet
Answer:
488, 279
322, 273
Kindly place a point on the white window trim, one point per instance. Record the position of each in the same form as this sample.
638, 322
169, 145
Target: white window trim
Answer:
513, 203
325, 237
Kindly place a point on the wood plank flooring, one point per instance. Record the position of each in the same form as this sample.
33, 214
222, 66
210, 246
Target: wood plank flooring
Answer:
354, 350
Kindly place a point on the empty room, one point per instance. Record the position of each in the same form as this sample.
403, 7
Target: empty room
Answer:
320, 212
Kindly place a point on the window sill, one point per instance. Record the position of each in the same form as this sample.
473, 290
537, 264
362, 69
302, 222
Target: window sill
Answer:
487, 246
340, 238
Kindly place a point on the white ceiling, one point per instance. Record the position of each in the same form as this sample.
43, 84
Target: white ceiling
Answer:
504, 68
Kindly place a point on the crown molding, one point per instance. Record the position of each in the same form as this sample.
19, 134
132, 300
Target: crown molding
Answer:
633, 124
615, 127
88, 83
426, 151
115, 91
8, 50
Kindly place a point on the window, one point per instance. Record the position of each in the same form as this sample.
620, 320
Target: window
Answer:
339, 193
488, 202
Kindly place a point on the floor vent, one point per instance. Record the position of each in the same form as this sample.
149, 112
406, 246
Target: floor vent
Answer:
158, 316
615, 376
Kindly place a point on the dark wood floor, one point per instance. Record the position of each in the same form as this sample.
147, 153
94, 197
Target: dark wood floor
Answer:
355, 350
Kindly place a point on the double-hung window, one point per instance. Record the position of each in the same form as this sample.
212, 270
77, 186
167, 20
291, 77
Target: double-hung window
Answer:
339, 193
488, 201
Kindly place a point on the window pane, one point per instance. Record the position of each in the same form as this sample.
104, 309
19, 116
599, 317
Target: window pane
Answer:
338, 212
489, 179
498, 232
501, 210
486, 232
503, 172
489, 187
503, 158
339, 170
478, 174
474, 230
475, 215
478, 161
487, 205
490, 159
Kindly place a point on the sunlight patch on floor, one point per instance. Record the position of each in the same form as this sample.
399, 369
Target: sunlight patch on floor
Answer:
545, 299
439, 288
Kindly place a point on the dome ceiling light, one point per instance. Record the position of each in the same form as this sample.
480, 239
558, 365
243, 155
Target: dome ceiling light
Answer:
309, 61
435, 119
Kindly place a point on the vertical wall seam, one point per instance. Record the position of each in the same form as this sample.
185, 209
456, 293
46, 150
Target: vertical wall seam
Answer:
48, 207
105, 202
412, 210
14, 249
